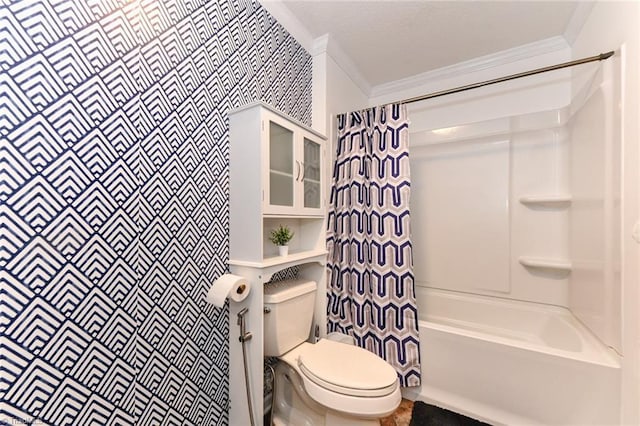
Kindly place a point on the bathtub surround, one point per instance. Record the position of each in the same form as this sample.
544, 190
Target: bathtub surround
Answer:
114, 147
494, 357
370, 287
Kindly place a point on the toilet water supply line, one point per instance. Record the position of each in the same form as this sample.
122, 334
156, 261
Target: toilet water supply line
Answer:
273, 394
244, 337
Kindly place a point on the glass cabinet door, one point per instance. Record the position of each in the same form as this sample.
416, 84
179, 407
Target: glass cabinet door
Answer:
311, 175
281, 177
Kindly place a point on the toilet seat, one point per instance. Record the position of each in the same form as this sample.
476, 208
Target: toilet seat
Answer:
345, 395
347, 369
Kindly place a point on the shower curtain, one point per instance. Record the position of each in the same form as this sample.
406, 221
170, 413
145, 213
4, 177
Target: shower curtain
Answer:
370, 283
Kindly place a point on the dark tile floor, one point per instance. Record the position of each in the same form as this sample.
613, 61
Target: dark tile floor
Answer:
422, 414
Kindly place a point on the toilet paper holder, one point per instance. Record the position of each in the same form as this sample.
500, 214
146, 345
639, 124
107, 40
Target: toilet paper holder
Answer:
228, 286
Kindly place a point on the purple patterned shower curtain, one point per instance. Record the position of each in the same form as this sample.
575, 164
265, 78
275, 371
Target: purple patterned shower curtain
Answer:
370, 284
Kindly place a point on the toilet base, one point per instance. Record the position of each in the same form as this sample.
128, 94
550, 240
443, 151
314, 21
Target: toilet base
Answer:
329, 420
292, 406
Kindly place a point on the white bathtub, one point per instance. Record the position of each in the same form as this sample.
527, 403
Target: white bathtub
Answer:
511, 362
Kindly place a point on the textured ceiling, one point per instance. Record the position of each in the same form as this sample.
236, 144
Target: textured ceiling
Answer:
391, 40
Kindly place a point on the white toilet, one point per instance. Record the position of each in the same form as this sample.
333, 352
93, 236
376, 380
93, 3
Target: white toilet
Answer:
326, 383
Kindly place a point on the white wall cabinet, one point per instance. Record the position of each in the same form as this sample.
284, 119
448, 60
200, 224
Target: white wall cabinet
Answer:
288, 157
276, 177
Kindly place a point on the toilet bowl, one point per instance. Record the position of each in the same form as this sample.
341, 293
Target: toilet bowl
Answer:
323, 383
345, 378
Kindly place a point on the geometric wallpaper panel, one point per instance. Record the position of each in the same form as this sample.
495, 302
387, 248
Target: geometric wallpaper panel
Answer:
114, 201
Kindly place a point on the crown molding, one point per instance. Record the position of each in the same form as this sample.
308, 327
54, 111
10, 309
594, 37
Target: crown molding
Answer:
504, 57
320, 45
327, 44
577, 21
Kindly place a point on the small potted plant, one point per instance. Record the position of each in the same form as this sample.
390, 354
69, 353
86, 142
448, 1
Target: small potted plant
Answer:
281, 237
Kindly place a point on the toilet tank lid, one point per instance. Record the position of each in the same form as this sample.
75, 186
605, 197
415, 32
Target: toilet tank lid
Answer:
284, 290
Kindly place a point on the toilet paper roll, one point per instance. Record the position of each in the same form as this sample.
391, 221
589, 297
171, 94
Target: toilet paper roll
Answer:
229, 286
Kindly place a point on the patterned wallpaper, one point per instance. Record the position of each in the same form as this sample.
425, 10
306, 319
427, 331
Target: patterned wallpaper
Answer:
114, 201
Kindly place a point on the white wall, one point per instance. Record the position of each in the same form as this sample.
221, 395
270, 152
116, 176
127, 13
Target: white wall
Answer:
334, 92
616, 25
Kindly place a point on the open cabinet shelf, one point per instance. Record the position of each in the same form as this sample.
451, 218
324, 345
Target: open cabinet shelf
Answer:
294, 258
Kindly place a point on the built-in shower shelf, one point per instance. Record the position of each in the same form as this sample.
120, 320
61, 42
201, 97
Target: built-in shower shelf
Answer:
550, 201
545, 263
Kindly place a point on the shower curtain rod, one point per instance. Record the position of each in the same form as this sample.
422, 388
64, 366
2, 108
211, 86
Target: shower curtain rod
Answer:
600, 57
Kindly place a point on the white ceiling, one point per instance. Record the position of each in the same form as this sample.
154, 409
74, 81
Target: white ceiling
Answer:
391, 40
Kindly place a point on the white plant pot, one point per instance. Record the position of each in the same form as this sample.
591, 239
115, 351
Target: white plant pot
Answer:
283, 250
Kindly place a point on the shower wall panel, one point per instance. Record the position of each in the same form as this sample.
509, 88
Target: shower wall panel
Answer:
460, 210
595, 285
471, 222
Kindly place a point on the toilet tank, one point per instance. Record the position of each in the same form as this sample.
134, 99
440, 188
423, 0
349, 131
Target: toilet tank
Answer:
290, 307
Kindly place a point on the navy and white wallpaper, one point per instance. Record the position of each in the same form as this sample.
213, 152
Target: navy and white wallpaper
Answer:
114, 201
